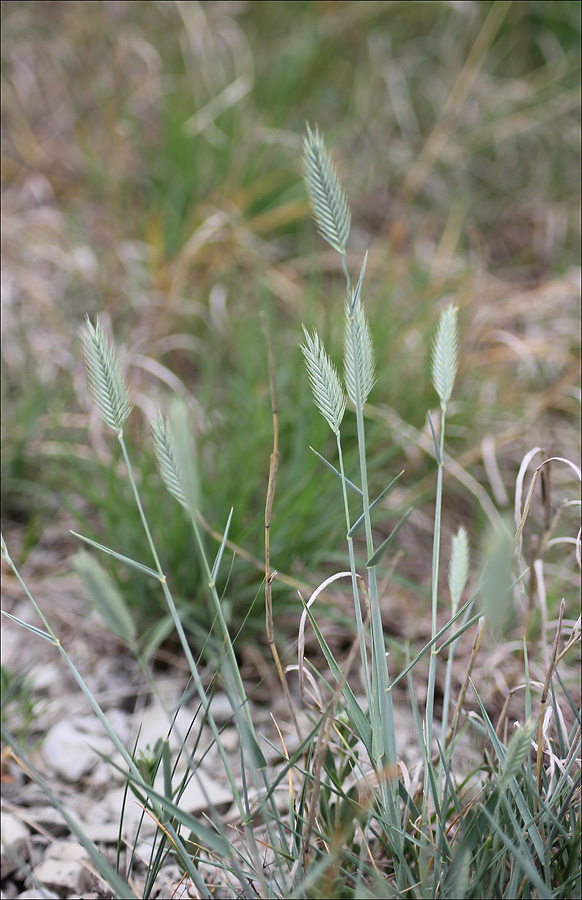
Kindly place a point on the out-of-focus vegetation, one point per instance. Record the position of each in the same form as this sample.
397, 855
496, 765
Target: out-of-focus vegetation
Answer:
151, 174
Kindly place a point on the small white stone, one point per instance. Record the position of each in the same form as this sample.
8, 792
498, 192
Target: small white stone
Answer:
229, 738
155, 724
203, 793
133, 813
47, 818
38, 894
64, 867
14, 834
102, 832
220, 708
69, 744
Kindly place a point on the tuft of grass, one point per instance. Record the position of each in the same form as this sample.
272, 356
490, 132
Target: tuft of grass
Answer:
357, 820
168, 200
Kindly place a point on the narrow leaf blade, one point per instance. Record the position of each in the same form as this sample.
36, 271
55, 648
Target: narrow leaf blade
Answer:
333, 469
123, 559
358, 524
377, 556
108, 601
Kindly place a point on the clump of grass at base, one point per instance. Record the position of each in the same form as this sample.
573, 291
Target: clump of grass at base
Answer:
355, 821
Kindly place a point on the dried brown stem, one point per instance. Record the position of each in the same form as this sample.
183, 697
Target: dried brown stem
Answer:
463, 694
274, 460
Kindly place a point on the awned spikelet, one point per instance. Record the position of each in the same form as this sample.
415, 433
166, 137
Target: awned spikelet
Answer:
458, 567
325, 384
445, 355
106, 383
358, 353
167, 462
330, 206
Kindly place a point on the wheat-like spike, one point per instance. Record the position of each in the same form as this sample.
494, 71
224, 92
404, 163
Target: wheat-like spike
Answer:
445, 354
166, 456
330, 206
325, 384
107, 599
358, 352
518, 749
458, 567
106, 383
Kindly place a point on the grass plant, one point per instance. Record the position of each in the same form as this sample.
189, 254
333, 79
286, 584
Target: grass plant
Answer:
357, 823
167, 199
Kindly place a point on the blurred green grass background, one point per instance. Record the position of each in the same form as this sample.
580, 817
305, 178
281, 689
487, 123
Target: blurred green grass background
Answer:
151, 174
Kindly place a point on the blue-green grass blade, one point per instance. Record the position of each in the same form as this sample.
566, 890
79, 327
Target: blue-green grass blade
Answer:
418, 720
574, 709
292, 763
511, 826
358, 290
562, 741
357, 715
218, 559
377, 556
167, 768
155, 636
204, 835
437, 449
461, 631
450, 789
520, 801
565, 779
333, 469
185, 858
124, 559
358, 524
525, 864
251, 745
32, 628
438, 635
